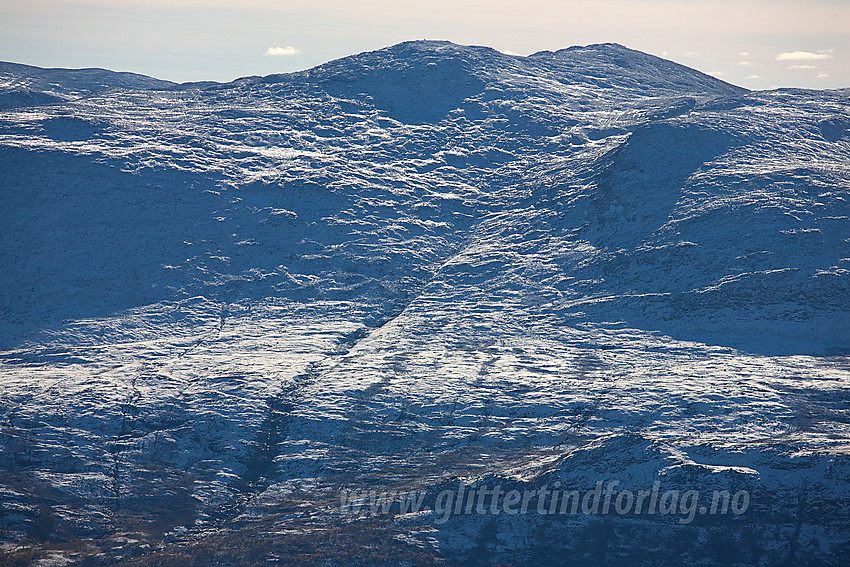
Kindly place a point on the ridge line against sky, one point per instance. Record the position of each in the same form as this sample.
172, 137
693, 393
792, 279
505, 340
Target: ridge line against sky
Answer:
757, 44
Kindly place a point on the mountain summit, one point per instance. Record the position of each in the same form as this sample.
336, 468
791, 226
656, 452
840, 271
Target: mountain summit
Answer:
420, 81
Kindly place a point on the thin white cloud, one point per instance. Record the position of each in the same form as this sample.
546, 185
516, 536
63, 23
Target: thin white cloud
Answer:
283, 51
716, 73
743, 54
801, 66
756, 77
823, 75
804, 55
745, 64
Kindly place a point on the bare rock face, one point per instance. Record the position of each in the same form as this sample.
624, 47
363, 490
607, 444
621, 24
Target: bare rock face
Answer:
432, 304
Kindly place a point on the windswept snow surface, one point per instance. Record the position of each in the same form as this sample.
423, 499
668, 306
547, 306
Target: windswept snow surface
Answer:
222, 306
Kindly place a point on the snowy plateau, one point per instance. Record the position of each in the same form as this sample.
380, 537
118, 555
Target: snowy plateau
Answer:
228, 311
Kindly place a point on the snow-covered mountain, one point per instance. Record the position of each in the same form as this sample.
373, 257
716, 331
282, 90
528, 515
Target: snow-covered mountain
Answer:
225, 308
25, 85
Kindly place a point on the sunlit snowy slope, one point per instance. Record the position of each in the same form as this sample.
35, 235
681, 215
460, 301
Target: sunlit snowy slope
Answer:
224, 305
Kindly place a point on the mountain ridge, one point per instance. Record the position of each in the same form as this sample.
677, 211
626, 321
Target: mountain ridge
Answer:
89, 80
21, 85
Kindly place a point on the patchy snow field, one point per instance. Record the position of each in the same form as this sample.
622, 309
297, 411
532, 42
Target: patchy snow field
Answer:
223, 305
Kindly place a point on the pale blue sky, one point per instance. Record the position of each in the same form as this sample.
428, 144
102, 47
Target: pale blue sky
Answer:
753, 43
